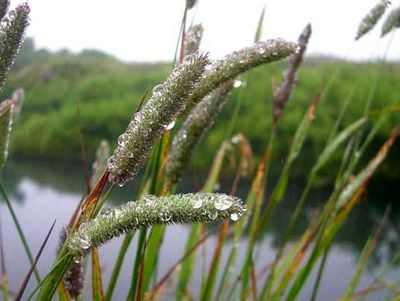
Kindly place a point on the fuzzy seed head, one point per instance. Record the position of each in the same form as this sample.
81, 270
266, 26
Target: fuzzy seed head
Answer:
372, 18
392, 22
12, 31
239, 62
283, 92
193, 39
194, 128
167, 101
149, 211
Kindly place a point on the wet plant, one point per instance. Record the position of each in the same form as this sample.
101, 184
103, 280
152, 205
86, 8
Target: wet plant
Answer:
161, 140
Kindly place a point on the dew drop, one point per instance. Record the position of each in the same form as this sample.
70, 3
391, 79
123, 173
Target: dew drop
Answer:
237, 83
261, 50
116, 213
165, 216
157, 90
170, 126
122, 140
234, 217
197, 203
84, 243
212, 215
222, 203
236, 139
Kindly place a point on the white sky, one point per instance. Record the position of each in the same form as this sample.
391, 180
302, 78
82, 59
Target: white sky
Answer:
146, 30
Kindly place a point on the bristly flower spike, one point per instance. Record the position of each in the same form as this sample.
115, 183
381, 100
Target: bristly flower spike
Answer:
193, 39
166, 102
372, 18
196, 125
204, 113
74, 278
149, 211
239, 62
12, 31
392, 22
282, 93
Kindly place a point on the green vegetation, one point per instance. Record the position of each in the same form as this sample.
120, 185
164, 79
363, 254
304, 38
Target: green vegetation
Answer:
328, 130
107, 92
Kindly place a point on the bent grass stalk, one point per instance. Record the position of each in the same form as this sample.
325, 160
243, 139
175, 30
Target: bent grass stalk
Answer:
151, 210
166, 103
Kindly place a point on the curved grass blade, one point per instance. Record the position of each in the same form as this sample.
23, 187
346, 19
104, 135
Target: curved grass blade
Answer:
48, 286
118, 264
349, 197
298, 141
256, 192
63, 294
260, 24
97, 279
157, 288
363, 260
208, 289
20, 231
195, 232
32, 268
4, 275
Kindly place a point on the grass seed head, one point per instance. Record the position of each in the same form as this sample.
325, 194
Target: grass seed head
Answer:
372, 18
167, 101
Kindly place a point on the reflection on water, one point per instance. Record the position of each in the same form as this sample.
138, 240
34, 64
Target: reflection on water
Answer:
43, 193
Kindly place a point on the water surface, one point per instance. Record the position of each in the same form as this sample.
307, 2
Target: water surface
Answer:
42, 193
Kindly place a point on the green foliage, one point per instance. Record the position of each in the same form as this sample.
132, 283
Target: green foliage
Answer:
109, 92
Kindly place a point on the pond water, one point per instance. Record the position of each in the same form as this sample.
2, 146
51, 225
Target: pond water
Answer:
42, 193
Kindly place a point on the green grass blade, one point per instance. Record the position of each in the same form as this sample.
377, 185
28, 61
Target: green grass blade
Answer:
32, 268
333, 146
50, 283
97, 278
4, 276
188, 264
340, 117
295, 149
362, 262
152, 252
20, 231
208, 289
319, 275
195, 232
118, 265
256, 192
138, 261
350, 196
255, 205
260, 24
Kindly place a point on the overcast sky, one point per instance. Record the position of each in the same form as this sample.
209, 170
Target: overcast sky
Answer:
146, 30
